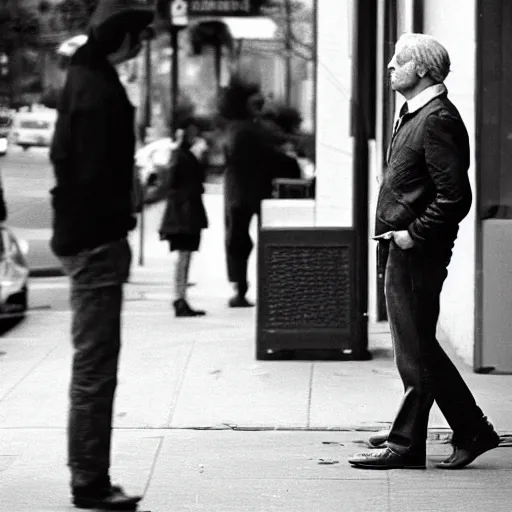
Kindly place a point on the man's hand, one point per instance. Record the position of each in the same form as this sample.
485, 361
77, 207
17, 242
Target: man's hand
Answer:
403, 239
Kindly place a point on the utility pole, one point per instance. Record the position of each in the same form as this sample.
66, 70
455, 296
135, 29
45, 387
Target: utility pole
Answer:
146, 124
218, 67
174, 77
288, 50
178, 13
5, 79
148, 103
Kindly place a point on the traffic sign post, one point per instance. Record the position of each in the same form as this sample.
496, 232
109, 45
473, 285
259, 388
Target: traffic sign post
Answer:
178, 13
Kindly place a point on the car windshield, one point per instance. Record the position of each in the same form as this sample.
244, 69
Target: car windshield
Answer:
4, 121
35, 124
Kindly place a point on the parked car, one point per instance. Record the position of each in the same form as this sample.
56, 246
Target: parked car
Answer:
151, 164
14, 275
5, 127
34, 128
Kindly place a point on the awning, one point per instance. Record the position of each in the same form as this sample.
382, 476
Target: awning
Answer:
249, 27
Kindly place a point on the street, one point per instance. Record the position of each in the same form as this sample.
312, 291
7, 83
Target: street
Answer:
27, 179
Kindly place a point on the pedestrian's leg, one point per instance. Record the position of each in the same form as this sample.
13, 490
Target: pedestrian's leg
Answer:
406, 444
181, 275
181, 305
404, 301
238, 249
97, 278
426, 370
96, 340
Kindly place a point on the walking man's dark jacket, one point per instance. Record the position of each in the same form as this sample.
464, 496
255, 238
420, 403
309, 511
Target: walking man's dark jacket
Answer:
252, 159
93, 156
427, 200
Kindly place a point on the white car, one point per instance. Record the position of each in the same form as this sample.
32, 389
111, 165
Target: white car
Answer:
151, 165
152, 159
5, 127
34, 128
14, 275
3, 145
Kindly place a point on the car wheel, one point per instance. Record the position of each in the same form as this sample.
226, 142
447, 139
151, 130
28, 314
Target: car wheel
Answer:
24, 299
24, 147
19, 302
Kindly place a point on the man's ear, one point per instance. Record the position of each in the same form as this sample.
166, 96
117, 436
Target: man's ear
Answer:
421, 71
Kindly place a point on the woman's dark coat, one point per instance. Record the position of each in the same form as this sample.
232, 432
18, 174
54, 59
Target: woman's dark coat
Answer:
184, 212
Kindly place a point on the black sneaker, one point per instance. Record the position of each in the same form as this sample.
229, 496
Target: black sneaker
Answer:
111, 498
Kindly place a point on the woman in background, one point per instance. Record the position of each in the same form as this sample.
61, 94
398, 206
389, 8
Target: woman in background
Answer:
185, 216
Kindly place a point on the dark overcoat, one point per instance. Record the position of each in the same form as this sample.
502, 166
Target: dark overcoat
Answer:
184, 211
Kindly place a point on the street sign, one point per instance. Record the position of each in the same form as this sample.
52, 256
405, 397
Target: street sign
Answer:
224, 7
179, 12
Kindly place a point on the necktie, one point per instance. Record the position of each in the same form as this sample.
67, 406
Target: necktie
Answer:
403, 111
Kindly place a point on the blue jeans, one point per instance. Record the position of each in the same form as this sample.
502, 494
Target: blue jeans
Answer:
413, 282
97, 277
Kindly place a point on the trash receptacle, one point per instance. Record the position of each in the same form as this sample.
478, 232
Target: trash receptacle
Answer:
292, 188
306, 284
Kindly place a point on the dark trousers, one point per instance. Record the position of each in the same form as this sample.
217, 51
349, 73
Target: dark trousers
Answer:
97, 278
413, 282
238, 243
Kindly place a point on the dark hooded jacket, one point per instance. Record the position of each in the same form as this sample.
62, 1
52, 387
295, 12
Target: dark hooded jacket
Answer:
94, 143
253, 160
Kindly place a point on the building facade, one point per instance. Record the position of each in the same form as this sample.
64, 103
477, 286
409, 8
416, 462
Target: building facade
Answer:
476, 302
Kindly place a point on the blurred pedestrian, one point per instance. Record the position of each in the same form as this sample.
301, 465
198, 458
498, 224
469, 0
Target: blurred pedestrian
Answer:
424, 195
93, 157
253, 147
185, 216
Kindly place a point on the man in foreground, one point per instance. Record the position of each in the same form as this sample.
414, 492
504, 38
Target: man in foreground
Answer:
92, 154
424, 195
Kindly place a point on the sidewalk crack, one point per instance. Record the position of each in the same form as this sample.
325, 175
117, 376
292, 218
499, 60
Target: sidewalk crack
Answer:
180, 384
29, 372
310, 393
153, 465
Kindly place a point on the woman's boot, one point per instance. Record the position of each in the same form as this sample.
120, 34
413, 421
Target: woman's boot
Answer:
182, 309
181, 306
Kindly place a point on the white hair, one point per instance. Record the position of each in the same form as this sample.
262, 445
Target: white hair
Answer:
429, 55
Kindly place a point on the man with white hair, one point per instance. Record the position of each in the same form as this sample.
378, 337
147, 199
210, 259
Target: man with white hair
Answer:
424, 195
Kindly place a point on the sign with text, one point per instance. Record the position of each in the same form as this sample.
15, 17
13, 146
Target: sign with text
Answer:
179, 12
224, 7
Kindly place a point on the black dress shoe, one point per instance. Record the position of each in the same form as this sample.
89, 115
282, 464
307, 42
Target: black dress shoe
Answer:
466, 451
386, 458
111, 498
378, 439
239, 301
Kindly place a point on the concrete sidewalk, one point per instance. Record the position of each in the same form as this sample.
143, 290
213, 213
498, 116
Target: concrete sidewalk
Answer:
200, 425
